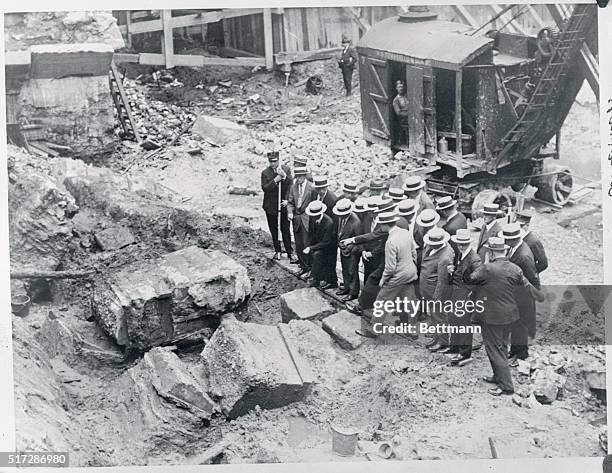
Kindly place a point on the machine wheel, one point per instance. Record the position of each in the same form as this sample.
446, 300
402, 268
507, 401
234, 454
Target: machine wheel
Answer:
555, 185
503, 198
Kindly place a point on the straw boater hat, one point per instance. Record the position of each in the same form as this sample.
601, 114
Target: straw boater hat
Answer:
300, 171
320, 182
462, 237
316, 208
496, 244
413, 183
361, 205
343, 207
436, 237
300, 161
406, 207
524, 216
376, 185
350, 186
428, 218
491, 209
445, 202
387, 217
511, 231
396, 194
384, 205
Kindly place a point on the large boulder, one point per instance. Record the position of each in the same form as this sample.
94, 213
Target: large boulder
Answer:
250, 365
218, 130
304, 304
342, 326
149, 303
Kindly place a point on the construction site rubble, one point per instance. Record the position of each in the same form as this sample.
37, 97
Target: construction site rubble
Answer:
304, 304
217, 130
250, 365
342, 326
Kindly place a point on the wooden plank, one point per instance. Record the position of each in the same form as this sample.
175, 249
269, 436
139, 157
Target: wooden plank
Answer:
268, 38
416, 122
506, 18
458, 125
464, 15
168, 39
122, 57
354, 14
151, 59
285, 57
128, 25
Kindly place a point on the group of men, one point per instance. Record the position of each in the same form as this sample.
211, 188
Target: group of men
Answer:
412, 247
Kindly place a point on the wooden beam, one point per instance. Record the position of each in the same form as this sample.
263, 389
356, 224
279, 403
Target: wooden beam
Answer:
290, 57
363, 25
168, 39
268, 38
507, 19
458, 125
39, 274
465, 16
190, 60
128, 24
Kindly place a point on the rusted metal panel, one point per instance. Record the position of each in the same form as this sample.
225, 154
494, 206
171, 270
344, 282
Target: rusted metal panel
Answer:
374, 80
414, 93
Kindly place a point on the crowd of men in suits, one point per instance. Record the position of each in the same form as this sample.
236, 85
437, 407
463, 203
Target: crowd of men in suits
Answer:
412, 247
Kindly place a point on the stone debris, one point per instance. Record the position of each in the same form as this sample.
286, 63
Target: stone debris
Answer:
595, 378
547, 385
113, 238
341, 326
149, 303
251, 365
304, 304
217, 130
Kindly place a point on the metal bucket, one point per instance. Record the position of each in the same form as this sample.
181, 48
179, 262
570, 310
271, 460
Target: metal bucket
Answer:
344, 441
20, 305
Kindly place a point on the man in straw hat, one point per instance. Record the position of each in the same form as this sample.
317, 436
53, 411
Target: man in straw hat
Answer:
466, 261
376, 188
414, 188
495, 283
350, 190
348, 227
396, 194
491, 227
301, 194
326, 196
406, 210
300, 161
275, 178
532, 240
322, 247
434, 281
453, 220
425, 221
520, 254
347, 62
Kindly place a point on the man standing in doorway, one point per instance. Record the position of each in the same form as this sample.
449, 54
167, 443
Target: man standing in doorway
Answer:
347, 61
402, 112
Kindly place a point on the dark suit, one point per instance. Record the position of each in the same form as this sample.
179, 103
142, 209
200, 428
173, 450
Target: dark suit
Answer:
330, 200
537, 248
301, 219
495, 284
270, 206
526, 326
323, 249
419, 233
485, 234
462, 343
456, 222
374, 241
347, 62
349, 227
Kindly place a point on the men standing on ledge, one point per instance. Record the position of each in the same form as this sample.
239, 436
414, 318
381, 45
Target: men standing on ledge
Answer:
277, 176
301, 194
322, 246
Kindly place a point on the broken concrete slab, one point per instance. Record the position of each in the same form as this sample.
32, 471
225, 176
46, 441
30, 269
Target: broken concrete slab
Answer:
154, 302
547, 385
249, 365
304, 304
113, 238
341, 326
218, 130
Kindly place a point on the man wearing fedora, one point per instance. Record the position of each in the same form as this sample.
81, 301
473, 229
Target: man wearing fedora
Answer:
350, 190
322, 247
532, 240
434, 281
495, 282
273, 179
347, 62
466, 261
414, 188
425, 221
348, 227
520, 254
453, 220
301, 194
491, 227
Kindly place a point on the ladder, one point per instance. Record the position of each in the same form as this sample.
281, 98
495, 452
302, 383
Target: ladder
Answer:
561, 61
122, 104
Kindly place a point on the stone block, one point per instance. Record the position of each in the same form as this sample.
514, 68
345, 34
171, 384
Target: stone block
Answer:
547, 385
149, 303
341, 326
114, 238
304, 304
218, 130
250, 365
55, 61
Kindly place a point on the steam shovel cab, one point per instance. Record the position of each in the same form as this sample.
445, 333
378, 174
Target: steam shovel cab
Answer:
482, 107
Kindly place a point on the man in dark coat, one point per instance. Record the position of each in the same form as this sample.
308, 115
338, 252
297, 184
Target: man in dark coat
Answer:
496, 282
491, 227
326, 196
521, 255
348, 227
406, 210
453, 220
322, 246
414, 188
466, 261
425, 221
301, 194
347, 62
273, 177
532, 240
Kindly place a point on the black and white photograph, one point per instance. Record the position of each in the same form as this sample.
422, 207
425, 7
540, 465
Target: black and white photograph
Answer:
306, 234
